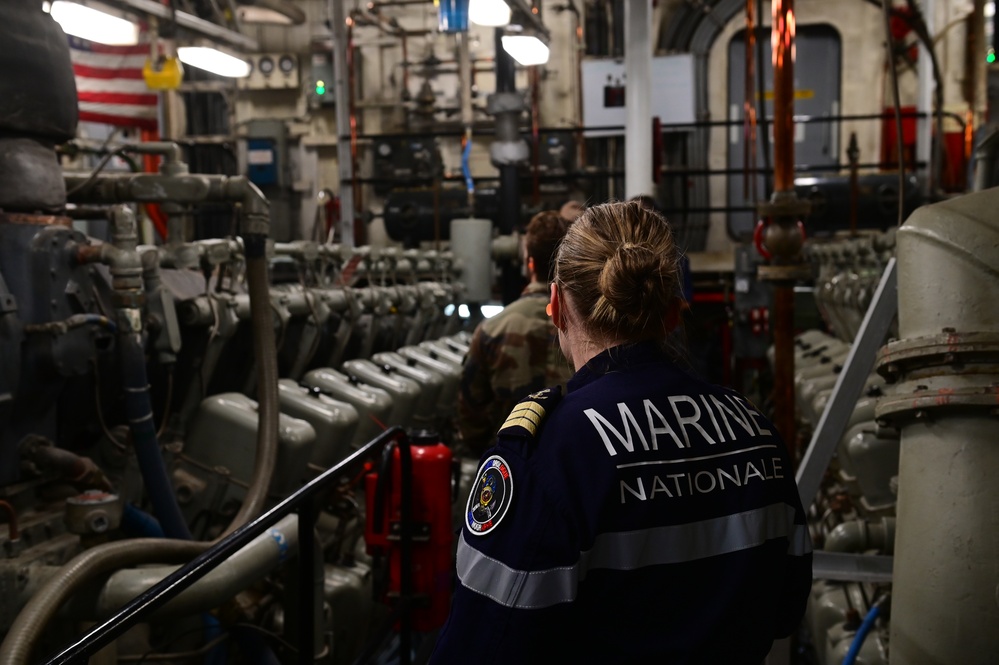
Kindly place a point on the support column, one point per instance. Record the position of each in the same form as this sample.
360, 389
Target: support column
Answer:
343, 156
637, 98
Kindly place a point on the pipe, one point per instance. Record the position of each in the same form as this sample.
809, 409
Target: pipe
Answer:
71, 579
12, 531
265, 351
858, 536
638, 121
80, 471
782, 43
861, 635
345, 163
248, 565
139, 411
948, 272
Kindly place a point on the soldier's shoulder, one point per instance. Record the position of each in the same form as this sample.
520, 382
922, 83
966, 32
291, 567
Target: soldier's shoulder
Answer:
529, 413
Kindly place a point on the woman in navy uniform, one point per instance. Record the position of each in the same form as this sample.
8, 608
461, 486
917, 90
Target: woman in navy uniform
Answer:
644, 517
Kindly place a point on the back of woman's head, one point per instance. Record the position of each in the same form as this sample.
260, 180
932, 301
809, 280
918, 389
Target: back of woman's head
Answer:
620, 266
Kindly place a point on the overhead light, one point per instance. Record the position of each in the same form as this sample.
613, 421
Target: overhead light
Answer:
214, 61
274, 12
528, 50
94, 25
491, 13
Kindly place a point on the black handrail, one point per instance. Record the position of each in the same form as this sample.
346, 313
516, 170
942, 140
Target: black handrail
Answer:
302, 502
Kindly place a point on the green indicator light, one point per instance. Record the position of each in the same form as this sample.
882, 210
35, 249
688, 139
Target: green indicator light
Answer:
991, 57
320, 87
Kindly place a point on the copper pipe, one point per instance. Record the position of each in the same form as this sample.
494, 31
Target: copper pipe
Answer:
12, 532
783, 327
782, 46
749, 105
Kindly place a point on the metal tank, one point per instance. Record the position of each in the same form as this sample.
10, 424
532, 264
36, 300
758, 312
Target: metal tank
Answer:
219, 452
335, 421
374, 405
946, 568
404, 391
450, 370
431, 383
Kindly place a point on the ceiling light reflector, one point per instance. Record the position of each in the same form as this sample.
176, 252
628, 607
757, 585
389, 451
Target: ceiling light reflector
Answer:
528, 50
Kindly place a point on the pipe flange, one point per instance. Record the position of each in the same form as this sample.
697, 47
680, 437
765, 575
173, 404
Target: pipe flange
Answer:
947, 349
785, 273
786, 206
925, 402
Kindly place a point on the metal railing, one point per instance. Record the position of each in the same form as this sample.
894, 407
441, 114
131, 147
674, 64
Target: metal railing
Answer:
303, 502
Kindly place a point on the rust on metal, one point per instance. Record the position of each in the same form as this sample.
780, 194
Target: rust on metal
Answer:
39, 220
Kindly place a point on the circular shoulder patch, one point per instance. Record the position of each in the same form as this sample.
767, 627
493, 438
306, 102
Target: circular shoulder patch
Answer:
490, 497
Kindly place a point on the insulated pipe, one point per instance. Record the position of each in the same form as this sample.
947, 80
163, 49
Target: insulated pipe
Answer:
265, 351
638, 121
250, 564
946, 565
858, 536
73, 578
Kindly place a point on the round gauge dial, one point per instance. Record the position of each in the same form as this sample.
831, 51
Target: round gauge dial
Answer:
286, 64
266, 65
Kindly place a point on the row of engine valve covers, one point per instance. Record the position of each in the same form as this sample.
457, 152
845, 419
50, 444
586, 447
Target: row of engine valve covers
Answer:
855, 512
324, 417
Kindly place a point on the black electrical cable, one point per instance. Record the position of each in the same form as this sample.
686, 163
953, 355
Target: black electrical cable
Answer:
889, 45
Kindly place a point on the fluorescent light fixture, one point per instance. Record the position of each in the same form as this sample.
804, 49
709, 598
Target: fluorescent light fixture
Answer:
491, 13
214, 61
526, 49
251, 14
489, 311
94, 25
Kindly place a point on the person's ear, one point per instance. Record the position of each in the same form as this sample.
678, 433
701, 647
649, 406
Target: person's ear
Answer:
554, 308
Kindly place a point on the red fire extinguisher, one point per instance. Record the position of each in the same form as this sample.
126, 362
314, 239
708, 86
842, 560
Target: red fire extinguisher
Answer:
408, 526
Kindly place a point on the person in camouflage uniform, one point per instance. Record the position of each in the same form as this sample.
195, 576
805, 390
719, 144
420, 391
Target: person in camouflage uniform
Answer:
516, 352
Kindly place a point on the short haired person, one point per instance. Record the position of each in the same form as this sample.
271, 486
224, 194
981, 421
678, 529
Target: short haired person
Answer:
644, 517
514, 353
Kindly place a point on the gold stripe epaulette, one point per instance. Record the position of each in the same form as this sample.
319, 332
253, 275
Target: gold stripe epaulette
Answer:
527, 415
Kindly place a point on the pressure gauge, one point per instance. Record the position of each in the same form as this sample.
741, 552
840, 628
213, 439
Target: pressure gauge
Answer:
266, 65
286, 64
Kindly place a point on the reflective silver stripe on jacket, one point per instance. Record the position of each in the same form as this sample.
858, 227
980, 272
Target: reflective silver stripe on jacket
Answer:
630, 550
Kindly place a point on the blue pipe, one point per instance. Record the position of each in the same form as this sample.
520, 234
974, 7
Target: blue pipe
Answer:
137, 523
139, 412
466, 169
861, 635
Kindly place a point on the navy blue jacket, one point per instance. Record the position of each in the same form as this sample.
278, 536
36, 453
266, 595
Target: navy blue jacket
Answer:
646, 517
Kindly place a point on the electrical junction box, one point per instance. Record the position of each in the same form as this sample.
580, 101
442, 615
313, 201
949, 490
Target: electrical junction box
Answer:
261, 161
319, 89
271, 71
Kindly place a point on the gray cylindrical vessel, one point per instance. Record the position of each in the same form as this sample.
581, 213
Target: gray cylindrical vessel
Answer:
946, 571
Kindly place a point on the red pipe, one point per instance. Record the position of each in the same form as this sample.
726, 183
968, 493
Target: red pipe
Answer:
12, 531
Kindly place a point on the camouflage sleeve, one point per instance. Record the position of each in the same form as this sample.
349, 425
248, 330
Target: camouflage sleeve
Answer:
475, 398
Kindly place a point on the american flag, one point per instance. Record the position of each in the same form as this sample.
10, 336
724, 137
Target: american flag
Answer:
110, 86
